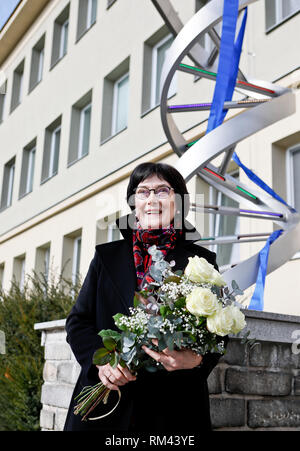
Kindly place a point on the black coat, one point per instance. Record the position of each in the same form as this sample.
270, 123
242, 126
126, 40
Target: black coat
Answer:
156, 402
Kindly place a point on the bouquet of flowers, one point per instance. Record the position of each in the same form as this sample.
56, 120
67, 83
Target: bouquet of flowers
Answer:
191, 309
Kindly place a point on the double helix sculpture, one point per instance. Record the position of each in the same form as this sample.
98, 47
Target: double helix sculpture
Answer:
263, 104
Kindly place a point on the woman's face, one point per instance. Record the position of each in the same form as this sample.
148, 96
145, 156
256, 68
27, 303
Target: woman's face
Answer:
154, 212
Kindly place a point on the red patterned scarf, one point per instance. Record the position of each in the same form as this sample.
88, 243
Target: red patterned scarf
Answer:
164, 239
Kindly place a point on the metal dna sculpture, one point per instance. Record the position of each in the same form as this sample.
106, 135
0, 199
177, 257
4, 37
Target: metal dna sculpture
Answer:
263, 104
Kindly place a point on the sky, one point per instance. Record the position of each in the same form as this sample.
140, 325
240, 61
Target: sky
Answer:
6, 8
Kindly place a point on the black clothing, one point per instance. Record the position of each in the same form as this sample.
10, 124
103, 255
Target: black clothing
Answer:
156, 402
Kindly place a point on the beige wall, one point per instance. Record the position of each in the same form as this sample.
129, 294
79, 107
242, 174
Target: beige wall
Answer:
81, 195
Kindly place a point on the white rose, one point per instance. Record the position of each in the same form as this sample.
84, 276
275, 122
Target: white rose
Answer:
202, 302
200, 271
238, 319
221, 322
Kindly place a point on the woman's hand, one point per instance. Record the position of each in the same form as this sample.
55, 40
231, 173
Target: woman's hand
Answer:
114, 377
175, 360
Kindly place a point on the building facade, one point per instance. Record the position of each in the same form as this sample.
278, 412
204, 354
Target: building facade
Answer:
79, 109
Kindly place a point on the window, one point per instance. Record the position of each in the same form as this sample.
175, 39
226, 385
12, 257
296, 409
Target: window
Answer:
2, 266
8, 184
17, 88
84, 131
158, 58
87, 15
76, 259
42, 261
27, 171
3, 89
226, 225
60, 36
120, 104
155, 49
51, 150
278, 11
107, 230
293, 182
115, 101
113, 233
71, 256
80, 128
19, 271
37, 63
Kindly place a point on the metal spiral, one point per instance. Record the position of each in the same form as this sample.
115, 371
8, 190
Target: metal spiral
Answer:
268, 104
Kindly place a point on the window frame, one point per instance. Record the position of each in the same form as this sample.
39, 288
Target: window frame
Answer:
214, 226
3, 100
63, 44
76, 260
290, 181
278, 13
154, 81
10, 168
82, 121
114, 129
51, 172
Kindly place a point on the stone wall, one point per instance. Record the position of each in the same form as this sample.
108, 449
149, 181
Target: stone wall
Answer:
250, 389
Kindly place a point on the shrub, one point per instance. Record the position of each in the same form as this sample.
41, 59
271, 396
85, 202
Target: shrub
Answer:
21, 367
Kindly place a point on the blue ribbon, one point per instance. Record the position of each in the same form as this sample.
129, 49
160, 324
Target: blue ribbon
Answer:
257, 301
230, 51
254, 178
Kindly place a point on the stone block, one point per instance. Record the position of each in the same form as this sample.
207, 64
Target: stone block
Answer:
49, 372
274, 355
66, 372
46, 419
236, 353
297, 386
57, 351
257, 382
60, 419
56, 395
214, 380
274, 413
227, 412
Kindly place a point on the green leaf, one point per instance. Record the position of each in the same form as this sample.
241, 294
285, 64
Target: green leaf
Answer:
109, 343
136, 301
114, 359
110, 333
164, 310
180, 302
101, 356
117, 318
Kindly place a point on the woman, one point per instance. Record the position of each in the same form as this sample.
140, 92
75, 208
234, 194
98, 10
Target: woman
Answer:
171, 400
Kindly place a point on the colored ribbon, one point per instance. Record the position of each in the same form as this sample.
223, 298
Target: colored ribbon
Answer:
230, 51
254, 178
257, 301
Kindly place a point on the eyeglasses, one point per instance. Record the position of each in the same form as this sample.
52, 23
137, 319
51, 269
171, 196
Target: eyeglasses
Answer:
161, 192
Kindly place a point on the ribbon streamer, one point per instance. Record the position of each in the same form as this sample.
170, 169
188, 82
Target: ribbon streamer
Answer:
230, 51
259, 182
257, 301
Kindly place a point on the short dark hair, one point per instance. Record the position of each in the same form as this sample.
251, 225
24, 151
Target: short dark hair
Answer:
165, 172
